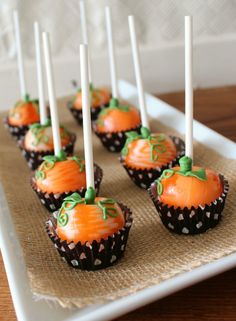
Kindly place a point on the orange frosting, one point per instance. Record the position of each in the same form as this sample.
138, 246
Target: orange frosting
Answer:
140, 153
99, 97
24, 113
64, 176
43, 141
184, 191
86, 223
116, 120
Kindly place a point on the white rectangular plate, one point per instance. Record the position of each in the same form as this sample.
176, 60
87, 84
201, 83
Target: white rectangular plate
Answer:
28, 309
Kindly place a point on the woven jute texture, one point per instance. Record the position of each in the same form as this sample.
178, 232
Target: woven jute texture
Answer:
153, 254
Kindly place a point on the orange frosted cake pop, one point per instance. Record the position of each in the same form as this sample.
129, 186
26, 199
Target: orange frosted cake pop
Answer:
21, 116
100, 98
189, 198
146, 155
59, 176
38, 142
113, 122
92, 231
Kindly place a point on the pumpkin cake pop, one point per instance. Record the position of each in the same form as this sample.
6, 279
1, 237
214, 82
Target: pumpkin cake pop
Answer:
90, 233
25, 111
38, 142
100, 98
21, 116
189, 199
59, 176
113, 122
147, 154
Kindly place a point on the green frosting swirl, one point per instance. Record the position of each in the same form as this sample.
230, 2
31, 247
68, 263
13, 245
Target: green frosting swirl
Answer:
155, 142
185, 170
71, 201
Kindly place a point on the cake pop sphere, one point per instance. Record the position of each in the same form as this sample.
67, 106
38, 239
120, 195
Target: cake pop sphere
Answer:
40, 138
148, 150
117, 118
25, 112
83, 220
189, 186
61, 174
99, 97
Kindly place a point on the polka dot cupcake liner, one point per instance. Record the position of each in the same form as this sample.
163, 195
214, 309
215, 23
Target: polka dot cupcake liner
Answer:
34, 158
53, 202
114, 142
95, 255
78, 115
144, 177
18, 132
190, 221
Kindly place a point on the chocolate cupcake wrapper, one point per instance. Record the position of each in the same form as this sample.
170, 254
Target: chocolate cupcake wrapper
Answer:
78, 115
114, 142
95, 255
53, 202
144, 177
18, 132
190, 221
35, 158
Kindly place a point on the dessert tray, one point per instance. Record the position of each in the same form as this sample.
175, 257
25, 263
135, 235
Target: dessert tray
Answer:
30, 307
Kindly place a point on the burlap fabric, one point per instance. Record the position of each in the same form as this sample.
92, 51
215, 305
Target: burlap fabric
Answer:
153, 254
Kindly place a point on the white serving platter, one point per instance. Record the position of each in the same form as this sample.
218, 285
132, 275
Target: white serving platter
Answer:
29, 309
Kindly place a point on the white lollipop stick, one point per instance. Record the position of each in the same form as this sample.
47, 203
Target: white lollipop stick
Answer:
85, 34
42, 105
111, 53
51, 94
88, 145
188, 87
19, 54
138, 72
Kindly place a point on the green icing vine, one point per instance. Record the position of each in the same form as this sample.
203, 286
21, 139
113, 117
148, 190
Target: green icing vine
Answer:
50, 160
185, 170
155, 142
71, 201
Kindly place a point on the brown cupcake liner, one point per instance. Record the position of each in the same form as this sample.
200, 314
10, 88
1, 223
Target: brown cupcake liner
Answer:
190, 221
18, 132
114, 142
144, 177
53, 202
78, 115
35, 158
95, 255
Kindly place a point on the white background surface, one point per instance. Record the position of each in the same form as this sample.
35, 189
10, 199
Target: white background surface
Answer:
160, 25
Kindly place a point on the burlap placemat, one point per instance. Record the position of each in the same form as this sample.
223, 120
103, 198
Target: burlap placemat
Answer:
153, 254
